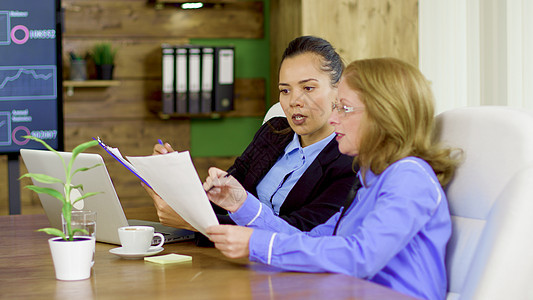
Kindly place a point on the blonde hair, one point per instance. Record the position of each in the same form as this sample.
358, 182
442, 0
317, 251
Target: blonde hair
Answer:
399, 116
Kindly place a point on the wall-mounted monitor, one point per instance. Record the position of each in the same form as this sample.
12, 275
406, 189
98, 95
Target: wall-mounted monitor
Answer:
30, 74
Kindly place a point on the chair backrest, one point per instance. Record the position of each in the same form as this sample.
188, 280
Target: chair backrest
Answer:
274, 111
490, 254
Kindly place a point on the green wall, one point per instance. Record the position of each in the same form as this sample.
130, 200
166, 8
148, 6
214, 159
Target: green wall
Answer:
230, 136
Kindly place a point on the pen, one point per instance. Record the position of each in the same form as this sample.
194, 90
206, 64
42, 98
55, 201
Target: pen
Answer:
160, 142
225, 176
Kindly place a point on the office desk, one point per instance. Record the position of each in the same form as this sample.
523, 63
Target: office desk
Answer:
27, 272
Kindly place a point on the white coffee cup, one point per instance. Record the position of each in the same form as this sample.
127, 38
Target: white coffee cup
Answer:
137, 239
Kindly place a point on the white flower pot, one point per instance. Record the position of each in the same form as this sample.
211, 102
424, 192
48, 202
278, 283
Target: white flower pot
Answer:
72, 260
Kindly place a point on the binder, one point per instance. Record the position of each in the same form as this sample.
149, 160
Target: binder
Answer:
167, 76
194, 80
115, 153
181, 80
224, 78
207, 80
197, 79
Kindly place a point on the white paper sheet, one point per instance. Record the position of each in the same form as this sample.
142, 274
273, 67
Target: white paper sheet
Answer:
174, 178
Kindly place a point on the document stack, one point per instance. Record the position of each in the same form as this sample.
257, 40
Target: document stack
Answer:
197, 79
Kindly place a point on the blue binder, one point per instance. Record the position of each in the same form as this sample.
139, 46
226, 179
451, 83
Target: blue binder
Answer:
120, 159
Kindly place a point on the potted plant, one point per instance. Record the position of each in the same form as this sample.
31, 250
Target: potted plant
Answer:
72, 255
104, 59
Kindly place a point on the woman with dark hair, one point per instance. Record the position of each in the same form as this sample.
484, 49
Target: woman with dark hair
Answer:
293, 165
396, 229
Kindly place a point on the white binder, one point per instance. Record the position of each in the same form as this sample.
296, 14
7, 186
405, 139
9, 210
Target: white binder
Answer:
181, 80
167, 79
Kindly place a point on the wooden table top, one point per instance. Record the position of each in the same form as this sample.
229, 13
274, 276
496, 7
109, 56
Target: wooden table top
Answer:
27, 272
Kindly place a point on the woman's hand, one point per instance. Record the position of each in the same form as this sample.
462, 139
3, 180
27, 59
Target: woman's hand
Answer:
231, 240
167, 215
225, 191
162, 149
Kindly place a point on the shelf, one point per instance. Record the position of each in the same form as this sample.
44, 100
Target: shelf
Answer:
205, 1
159, 4
211, 115
71, 84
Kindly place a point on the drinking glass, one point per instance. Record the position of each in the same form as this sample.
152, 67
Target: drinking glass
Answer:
82, 219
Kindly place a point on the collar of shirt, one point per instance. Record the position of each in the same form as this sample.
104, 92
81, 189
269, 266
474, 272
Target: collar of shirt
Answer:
309, 151
279, 181
370, 178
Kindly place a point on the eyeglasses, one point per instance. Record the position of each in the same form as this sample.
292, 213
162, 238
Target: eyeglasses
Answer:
343, 109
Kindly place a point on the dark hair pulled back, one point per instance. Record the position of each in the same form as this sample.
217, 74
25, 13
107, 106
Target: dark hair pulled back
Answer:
331, 60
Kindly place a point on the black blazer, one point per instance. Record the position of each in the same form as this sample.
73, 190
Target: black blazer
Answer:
316, 196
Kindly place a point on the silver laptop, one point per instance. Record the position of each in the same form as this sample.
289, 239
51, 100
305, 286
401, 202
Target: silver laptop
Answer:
109, 213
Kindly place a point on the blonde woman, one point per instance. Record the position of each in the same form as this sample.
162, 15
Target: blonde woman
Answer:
396, 229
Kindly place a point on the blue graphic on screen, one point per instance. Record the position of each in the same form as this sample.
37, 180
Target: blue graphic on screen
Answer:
5, 130
4, 28
29, 59
28, 82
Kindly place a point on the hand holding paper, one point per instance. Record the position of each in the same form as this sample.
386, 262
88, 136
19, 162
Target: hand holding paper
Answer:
118, 156
173, 177
167, 215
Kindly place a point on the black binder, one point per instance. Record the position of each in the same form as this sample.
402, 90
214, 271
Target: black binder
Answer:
167, 76
224, 78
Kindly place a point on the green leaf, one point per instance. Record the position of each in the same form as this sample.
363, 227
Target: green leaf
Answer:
40, 141
48, 191
54, 231
80, 148
87, 196
79, 186
103, 53
85, 169
42, 178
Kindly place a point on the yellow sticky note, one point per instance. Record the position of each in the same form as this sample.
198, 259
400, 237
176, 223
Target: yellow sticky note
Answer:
169, 258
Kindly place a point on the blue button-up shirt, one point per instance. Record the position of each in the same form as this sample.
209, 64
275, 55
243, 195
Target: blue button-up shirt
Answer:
395, 233
279, 181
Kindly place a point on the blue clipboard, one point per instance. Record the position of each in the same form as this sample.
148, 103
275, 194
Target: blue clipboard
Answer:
120, 160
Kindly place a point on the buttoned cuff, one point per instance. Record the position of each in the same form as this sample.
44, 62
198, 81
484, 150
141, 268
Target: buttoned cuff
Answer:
261, 245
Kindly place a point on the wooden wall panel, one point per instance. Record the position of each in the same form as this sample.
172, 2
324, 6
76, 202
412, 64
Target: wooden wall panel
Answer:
365, 28
133, 137
357, 28
138, 18
285, 25
30, 201
130, 100
249, 98
203, 164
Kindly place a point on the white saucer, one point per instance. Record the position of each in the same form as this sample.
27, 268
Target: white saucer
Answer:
120, 252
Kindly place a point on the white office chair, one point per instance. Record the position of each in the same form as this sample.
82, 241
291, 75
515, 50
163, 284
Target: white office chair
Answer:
274, 111
490, 254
